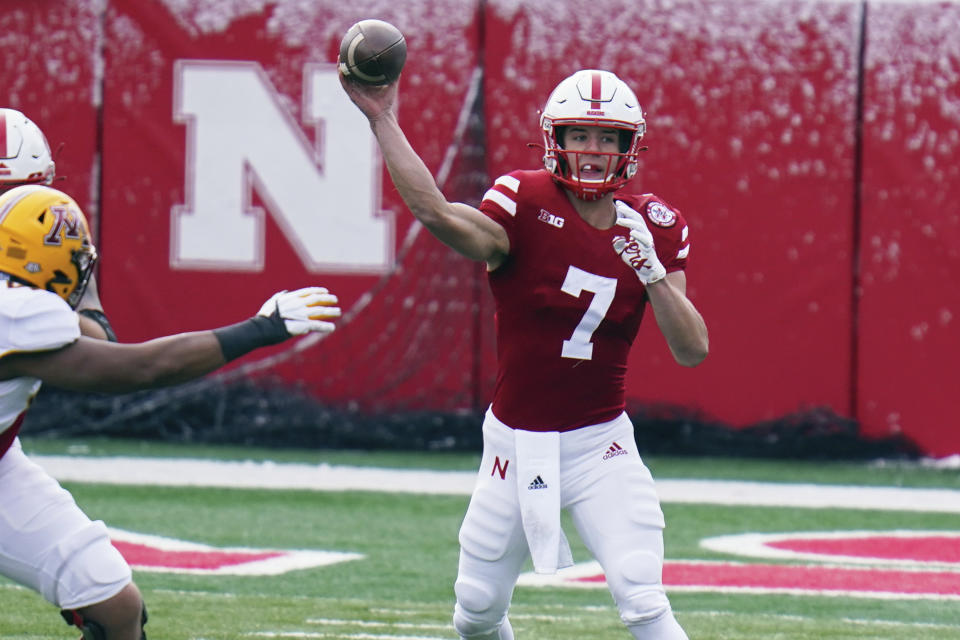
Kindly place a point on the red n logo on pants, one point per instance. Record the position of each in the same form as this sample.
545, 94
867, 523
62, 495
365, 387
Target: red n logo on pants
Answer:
497, 468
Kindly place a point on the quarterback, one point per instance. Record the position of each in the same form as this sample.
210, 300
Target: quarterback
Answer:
572, 264
46, 542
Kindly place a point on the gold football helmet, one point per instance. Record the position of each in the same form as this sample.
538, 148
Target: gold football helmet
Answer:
45, 242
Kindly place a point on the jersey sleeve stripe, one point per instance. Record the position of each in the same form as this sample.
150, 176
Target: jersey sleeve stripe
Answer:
509, 182
683, 252
499, 198
684, 234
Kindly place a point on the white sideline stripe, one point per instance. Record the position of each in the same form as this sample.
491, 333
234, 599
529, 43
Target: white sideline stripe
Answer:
248, 474
183, 472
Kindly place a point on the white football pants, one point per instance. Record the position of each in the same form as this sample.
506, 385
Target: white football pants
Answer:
48, 544
610, 496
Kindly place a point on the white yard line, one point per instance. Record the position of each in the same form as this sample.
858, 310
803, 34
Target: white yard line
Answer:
354, 636
183, 472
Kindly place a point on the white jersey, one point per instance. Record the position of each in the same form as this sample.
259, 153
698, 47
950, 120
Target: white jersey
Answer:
49, 544
30, 320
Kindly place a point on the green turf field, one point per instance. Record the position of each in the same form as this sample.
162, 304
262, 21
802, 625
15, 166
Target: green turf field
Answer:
402, 589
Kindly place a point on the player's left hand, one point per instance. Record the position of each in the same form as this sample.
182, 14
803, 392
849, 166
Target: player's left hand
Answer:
637, 249
303, 311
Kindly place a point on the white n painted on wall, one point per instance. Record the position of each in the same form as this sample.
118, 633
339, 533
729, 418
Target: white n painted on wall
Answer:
325, 197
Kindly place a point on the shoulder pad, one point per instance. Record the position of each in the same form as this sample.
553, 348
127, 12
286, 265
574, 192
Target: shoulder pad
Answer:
35, 320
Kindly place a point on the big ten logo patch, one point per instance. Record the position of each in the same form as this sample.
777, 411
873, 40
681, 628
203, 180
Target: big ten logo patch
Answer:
551, 219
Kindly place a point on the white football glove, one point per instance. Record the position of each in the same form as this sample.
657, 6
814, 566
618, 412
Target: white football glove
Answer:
637, 250
304, 310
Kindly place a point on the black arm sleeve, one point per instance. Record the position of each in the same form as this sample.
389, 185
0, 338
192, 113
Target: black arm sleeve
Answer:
243, 337
98, 316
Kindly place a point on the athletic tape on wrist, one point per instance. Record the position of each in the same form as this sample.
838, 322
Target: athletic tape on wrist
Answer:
243, 337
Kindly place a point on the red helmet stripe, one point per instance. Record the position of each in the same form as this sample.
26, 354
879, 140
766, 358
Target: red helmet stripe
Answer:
595, 94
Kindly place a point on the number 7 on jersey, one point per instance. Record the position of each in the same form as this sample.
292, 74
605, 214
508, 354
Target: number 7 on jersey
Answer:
603, 289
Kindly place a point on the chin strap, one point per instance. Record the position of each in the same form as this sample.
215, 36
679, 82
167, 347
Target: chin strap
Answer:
92, 630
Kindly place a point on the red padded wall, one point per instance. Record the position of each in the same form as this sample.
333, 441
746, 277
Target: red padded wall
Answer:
48, 71
411, 345
750, 109
909, 330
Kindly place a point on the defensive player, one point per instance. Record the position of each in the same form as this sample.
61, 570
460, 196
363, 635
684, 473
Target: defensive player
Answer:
46, 542
572, 265
25, 158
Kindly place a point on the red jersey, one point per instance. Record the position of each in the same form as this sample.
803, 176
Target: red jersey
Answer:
567, 307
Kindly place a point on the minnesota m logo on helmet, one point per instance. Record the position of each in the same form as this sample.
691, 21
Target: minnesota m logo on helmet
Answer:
66, 224
45, 242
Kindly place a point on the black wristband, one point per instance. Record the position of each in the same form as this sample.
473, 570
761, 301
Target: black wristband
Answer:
243, 337
98, 316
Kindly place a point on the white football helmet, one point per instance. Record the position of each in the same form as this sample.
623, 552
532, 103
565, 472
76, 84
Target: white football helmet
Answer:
593, 98
24, 153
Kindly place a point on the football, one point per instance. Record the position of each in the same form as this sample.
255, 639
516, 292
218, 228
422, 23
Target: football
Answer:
373, 52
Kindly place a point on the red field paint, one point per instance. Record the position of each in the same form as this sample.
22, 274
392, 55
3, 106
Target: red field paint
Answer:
145, 556
810, 579
157, 553
885, 564
901, 548
945, 548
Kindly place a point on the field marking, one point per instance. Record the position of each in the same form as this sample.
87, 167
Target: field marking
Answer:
357, 636
860, 595
898, 623
763, 545
799, 618
248, 474
720, 576
146, 552
379, 623
544, 617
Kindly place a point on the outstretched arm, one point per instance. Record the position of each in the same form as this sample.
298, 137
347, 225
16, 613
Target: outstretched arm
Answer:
459, 226
91, 365
88, 364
